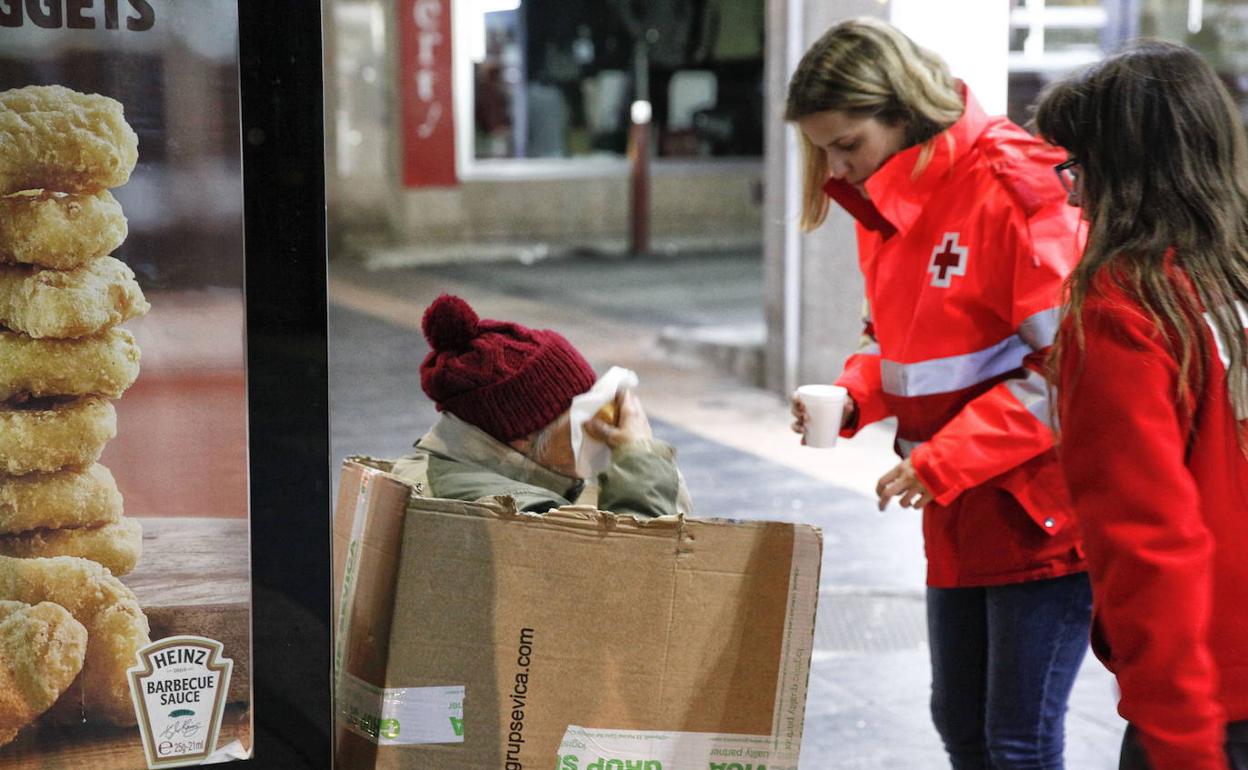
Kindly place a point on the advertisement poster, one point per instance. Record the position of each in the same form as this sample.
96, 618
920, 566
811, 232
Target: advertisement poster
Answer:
125, 617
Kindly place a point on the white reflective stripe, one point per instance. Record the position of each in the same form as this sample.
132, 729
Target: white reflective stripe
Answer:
906, 446
1040, 330
869, 350
1223, 353
1032, 392
945, 375
1217, 336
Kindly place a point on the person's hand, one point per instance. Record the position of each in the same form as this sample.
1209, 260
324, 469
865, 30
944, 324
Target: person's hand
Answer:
631, 425
799, 414
904, 484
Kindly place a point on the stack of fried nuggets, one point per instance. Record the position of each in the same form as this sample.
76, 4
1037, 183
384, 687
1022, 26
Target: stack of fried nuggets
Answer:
62, 359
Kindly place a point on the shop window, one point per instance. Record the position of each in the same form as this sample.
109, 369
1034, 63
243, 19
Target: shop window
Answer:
1217, 29
1051, 38
556, 78
1048, 40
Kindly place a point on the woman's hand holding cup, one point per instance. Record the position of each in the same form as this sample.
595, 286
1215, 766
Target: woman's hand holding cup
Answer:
820, 412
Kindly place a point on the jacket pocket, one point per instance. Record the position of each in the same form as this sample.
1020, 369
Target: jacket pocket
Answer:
1039, 486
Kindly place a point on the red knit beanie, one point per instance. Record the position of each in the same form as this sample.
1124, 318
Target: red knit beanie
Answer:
504, 378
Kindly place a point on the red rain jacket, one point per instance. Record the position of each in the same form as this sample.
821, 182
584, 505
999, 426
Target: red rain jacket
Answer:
964, 261
1162, 498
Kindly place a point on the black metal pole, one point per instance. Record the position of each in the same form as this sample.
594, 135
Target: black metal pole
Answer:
639, 157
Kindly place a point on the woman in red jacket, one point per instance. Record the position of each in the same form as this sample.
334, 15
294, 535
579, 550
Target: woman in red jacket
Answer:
964, 239
1154, 393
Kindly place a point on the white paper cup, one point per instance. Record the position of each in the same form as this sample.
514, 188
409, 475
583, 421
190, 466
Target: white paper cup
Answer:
825, 405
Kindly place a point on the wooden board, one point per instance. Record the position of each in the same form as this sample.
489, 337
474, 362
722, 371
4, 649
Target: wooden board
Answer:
192, 562
193, 578
101, 748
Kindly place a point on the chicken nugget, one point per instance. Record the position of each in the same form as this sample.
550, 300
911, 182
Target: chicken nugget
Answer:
116, 545
103, 364
7, 608
59, 231
56, 500
69, 303
54, 434
116, 629
41, 652
56, 139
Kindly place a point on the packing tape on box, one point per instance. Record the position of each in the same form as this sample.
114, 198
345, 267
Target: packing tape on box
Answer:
799, 641
596, 749
346, 602
401, 716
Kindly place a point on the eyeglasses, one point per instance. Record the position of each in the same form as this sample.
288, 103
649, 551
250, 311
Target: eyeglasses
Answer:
1068, 175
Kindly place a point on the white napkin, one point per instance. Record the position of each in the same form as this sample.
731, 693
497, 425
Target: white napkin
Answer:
234, 751
593, 456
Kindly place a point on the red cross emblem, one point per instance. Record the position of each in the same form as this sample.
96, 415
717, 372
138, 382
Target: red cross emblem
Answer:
948, 260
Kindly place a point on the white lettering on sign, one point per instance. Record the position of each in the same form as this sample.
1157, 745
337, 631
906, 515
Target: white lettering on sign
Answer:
427, 15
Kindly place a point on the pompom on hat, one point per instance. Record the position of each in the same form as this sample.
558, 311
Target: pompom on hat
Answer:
506, 379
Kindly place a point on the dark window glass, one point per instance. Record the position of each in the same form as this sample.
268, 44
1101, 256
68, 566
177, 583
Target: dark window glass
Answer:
556, 78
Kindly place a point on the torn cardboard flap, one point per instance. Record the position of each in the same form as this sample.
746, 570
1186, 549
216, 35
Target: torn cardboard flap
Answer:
574, 618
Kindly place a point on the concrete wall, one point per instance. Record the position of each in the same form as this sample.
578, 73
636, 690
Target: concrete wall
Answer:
813, 287
688, 203
359, 187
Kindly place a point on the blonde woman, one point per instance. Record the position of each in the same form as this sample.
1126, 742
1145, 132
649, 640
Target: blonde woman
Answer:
964, 239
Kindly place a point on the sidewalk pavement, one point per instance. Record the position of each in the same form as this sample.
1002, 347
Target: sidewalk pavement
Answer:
867, 703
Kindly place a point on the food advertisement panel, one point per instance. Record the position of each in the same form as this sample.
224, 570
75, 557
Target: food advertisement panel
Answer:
125, 615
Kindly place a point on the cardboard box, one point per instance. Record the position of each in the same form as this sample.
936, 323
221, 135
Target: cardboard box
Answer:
473, 637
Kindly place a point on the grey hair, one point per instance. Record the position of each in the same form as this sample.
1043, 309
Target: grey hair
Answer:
540, 441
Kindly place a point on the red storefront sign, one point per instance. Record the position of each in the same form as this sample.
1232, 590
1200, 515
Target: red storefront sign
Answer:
425, 93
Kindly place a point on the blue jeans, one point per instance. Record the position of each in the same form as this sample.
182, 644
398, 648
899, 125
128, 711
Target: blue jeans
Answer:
1133, 758
1004, 659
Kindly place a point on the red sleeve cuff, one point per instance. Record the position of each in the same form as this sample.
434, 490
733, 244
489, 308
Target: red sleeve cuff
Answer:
942, 491
862, 379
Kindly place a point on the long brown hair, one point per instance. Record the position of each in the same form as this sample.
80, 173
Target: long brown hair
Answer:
868, 68
1163, 174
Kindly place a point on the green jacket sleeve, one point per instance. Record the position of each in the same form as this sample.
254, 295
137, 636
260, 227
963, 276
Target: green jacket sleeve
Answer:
642, 480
